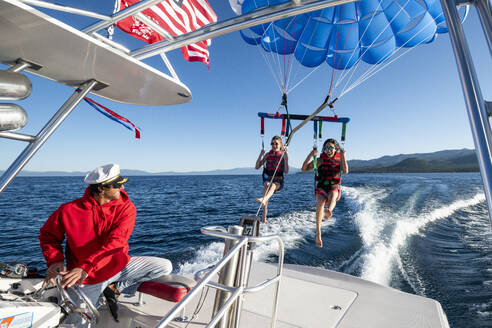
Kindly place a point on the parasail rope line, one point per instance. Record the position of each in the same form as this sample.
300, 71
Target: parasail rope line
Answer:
278, 71
302, 59
289, 63
333, 71
376, 69
285, 76
270, 66
275, 55
359, 60
355, 66
304, 78
346, 40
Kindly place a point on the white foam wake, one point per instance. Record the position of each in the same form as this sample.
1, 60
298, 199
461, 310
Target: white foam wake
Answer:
380, 255
204, 257
363, 201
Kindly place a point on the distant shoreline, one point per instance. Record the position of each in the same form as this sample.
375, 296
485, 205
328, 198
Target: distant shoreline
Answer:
444, 161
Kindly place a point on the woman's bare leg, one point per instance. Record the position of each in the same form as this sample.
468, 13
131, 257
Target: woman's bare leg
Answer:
265, 212
332, 201
268, 192
320, 208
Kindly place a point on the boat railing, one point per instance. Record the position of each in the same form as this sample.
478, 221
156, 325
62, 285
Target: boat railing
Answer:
239, 251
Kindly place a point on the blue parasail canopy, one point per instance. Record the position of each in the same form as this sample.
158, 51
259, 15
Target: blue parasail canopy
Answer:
367, 30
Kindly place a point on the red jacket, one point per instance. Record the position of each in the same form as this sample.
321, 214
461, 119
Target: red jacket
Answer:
96, 236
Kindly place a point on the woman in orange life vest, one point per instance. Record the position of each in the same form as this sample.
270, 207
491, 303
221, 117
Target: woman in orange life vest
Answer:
330, 166
271, 161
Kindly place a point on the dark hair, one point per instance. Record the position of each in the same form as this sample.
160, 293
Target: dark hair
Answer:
94, 188
333, 141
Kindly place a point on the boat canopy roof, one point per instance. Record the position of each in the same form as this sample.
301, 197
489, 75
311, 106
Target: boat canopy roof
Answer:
69, 56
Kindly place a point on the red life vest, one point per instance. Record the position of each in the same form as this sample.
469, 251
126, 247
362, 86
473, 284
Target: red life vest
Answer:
272, 159
329, 170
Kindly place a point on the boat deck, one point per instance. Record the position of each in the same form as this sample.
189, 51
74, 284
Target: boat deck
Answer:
309, 297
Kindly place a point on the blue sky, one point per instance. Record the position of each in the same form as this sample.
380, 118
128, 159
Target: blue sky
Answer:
413, 105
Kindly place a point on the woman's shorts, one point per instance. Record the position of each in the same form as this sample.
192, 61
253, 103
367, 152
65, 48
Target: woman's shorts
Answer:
325, 190
278, 181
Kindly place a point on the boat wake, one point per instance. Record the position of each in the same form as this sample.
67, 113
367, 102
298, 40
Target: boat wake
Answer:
383, 233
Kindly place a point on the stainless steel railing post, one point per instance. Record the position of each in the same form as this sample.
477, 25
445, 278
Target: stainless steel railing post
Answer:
227, 277
475, 104
45, 133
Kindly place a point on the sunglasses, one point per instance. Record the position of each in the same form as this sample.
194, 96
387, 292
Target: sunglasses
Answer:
326, 148
274, 143
114, 185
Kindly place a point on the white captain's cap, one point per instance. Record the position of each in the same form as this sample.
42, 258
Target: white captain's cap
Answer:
105, 174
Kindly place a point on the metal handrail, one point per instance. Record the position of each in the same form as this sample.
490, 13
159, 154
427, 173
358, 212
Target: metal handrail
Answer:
178, 307
218, 231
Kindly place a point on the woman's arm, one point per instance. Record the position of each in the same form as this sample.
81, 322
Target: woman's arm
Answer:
260, 160
344, 161
308, 165
286, 161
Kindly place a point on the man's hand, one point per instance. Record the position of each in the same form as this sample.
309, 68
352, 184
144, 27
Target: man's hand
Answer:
54, 270
262, 152
74, 276
342, 151
313, 152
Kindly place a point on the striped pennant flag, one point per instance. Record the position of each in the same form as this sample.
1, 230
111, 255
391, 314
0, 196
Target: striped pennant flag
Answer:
176, 17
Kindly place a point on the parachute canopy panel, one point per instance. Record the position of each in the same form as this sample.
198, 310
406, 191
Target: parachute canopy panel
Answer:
368, 30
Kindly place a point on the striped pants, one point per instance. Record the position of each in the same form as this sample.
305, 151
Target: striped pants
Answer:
138, 270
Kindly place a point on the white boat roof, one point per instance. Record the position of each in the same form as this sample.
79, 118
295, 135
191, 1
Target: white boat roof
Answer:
71, 57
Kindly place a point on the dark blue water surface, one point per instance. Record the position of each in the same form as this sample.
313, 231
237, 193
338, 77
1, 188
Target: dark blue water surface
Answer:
426, 234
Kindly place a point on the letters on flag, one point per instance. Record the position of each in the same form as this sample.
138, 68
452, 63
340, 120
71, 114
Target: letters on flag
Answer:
176, 17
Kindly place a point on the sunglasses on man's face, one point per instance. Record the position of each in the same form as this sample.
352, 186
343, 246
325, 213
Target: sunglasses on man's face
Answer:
114, 185
274, 143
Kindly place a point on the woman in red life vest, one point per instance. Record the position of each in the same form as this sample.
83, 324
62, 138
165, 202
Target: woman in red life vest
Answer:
330, 165
272, 160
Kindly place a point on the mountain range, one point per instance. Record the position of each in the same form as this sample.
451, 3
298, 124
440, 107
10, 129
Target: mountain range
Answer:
458, 160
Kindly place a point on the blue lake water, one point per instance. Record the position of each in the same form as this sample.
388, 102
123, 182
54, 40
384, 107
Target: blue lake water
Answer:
426, 234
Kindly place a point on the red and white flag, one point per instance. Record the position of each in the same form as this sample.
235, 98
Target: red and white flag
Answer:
176, 17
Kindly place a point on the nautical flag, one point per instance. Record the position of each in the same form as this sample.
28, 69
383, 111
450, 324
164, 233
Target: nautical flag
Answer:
113, 115
176, 17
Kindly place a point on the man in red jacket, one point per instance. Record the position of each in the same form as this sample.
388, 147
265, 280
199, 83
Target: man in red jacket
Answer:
97, 228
